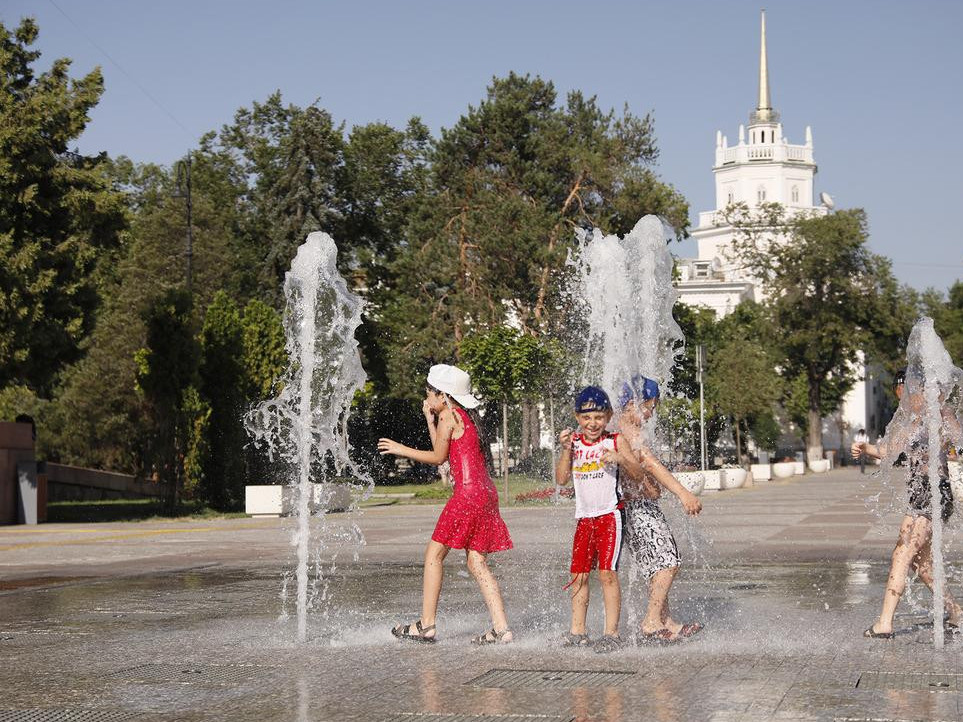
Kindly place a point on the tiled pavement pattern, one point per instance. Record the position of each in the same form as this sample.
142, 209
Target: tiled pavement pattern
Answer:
185, 621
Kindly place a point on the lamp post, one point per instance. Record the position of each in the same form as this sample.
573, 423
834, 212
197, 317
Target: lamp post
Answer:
700, 362
183, 180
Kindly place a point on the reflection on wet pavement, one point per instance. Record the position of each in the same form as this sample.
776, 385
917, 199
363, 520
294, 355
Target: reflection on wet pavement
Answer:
210, 641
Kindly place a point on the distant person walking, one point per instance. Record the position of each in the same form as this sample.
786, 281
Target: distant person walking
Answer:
471, 519
861, 439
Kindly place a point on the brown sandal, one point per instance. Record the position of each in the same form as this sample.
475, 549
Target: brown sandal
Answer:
493, 637
405, 633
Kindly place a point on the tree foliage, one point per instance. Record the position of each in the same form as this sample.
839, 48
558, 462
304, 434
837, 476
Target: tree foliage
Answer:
59, 214
509, 183
827, 296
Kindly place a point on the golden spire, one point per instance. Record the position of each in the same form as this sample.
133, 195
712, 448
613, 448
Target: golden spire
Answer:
764, 112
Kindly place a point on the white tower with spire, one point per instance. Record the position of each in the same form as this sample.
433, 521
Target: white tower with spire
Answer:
762, 167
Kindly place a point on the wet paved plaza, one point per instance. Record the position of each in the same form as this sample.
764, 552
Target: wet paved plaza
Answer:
193, 620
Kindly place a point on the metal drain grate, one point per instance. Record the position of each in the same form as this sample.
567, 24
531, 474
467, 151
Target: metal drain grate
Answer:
548, 678
923, 681
202, 674
63, 715
436, 717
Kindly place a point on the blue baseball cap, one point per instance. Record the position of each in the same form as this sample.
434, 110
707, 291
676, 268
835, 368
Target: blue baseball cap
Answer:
592, 398
639, 387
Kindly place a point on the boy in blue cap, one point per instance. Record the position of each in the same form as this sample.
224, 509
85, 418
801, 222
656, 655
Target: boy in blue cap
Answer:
591, 457
647, 531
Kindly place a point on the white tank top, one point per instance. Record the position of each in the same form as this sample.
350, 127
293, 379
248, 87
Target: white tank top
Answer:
596, 483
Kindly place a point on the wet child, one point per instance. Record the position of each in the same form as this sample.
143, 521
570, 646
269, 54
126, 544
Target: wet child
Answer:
650, 540
471, 519
591, 458
910, 439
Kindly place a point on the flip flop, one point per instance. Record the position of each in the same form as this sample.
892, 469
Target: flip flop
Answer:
404, 633
691, 629
871, 633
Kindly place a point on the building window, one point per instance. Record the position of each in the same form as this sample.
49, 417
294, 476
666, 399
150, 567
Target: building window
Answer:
702, 270
761, 194
732, 197
795, 194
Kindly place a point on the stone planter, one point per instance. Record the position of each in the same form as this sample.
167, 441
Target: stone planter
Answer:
783, 469
761, 472
694, 481
277, 500
712, 480
732, 478
819, 466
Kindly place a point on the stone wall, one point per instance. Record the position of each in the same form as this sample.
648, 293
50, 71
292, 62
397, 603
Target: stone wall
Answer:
74, 483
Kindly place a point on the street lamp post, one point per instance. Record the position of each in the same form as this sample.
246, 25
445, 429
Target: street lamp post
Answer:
700, 362
183, 174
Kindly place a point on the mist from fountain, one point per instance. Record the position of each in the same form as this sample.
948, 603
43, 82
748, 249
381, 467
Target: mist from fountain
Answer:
305, 426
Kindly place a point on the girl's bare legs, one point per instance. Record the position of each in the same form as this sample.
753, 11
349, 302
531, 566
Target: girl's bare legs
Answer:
435, 554
923, 564
657, 614
580, 601
478, 566
914, 534
612, 597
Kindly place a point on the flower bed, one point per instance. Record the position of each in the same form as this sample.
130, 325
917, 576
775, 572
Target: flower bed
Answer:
546, 494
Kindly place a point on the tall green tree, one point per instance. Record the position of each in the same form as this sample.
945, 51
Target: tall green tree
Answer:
510, 182
96, 419
222, 387
167, 368
743, 383
827, 295
59, 214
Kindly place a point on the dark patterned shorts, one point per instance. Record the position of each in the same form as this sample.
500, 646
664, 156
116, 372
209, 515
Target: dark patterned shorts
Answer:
650, 539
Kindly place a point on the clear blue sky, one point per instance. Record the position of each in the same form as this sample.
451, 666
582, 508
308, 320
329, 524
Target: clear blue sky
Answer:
878, 81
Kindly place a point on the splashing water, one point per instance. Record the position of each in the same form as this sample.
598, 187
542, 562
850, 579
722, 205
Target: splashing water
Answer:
927, 424
626, 283
623, 287
305, 426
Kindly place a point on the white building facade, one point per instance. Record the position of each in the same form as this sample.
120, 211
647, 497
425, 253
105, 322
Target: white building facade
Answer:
764, 167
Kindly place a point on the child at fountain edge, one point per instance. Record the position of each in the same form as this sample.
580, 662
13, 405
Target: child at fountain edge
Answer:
470, 520
913, 550
650, 540
591, 458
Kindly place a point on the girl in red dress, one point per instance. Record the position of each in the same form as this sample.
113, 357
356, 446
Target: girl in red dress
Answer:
470, 520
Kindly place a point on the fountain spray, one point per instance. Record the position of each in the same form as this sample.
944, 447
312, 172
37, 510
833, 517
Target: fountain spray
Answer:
305, 426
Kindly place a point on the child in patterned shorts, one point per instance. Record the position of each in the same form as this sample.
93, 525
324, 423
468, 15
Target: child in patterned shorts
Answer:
647, 531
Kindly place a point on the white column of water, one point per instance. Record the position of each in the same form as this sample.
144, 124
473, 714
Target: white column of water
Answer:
304, 437
937, 379
305, 426
626, 284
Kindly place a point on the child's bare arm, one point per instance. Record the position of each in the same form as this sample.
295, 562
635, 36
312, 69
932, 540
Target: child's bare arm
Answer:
563, 467
654, 467
439, 442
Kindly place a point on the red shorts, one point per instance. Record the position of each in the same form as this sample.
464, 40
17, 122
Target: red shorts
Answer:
598, 543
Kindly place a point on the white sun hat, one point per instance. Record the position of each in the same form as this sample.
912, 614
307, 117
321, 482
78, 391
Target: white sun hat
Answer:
454, 382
